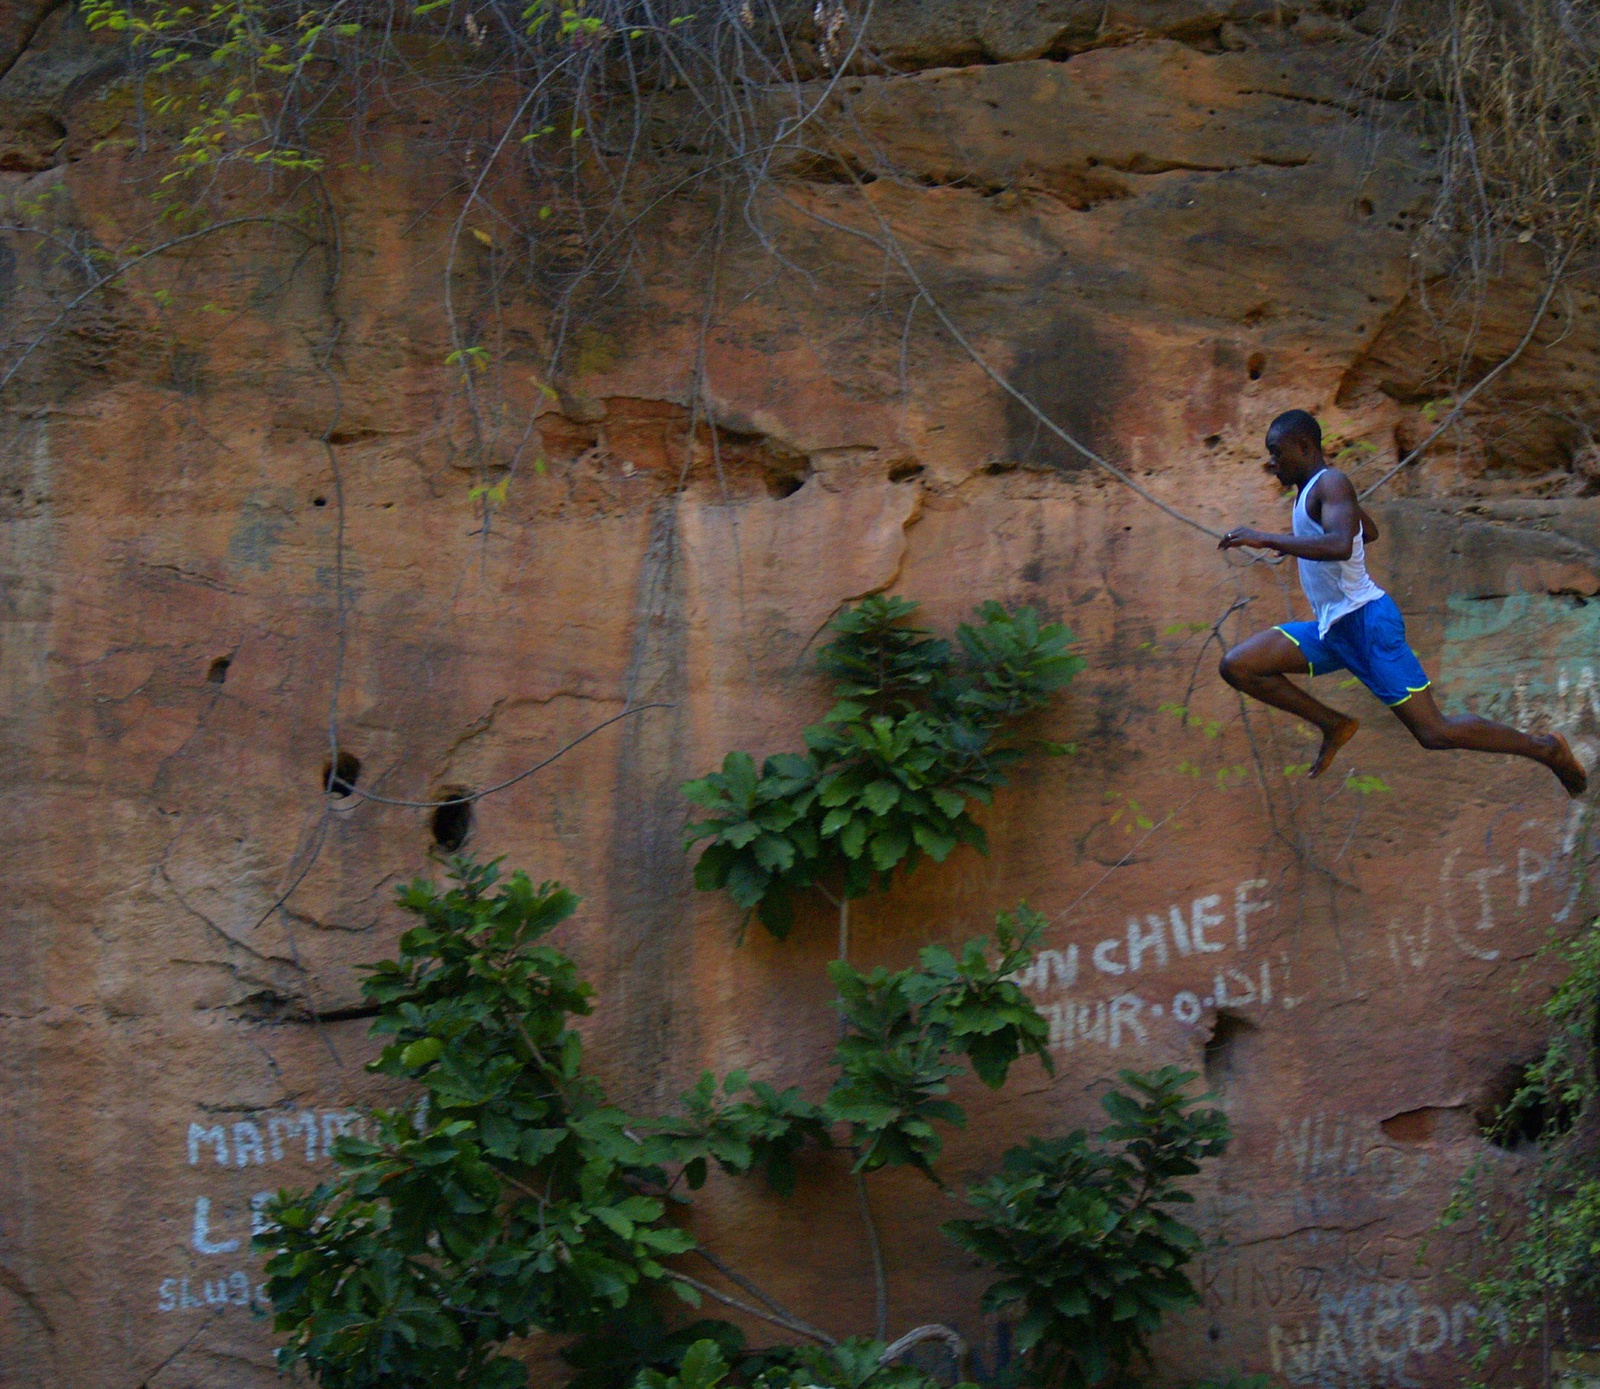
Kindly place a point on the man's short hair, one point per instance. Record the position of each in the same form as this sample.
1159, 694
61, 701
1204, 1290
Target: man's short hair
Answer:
1296, 424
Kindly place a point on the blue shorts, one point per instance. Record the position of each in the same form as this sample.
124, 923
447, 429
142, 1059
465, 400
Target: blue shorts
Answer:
1371, 644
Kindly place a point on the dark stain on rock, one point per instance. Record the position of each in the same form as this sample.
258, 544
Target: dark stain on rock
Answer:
8, 273
1076, 378
648, 936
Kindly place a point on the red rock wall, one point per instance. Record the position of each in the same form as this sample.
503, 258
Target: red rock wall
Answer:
1165, 240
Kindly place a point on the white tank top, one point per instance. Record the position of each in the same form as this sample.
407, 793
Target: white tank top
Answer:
1334, 587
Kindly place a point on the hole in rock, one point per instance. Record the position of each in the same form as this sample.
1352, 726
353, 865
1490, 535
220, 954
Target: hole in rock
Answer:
1256, 365
339, 776
905, 471
1517, 1111
1580, 1323
1412, 1126
1224, 1051
1364, 206
451, 822
781, 485
319, 501
217, 671
1212, 440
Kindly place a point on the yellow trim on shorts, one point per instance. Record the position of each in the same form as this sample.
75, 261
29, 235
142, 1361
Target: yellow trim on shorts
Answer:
1310, 669
1409, 691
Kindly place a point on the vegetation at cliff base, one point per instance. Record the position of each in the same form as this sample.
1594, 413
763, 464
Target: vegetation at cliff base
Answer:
1540, 1238
506, 1194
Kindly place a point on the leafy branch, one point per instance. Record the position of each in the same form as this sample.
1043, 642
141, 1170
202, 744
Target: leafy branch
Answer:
891, 774
1076, 1229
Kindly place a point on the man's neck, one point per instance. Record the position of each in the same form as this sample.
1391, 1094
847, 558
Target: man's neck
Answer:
1317, 468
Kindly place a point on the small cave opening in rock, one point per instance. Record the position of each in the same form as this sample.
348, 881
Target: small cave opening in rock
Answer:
451, 821
905, 470
1517, 1111
319, 501
217, 671
1224, 1051
1212, 440
340, 774
1256, 365
782, 485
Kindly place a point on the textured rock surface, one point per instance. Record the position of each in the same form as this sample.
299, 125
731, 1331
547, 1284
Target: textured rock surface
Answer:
1160, 221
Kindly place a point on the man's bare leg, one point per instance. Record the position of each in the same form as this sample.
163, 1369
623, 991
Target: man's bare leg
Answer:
1437, 730
1257, 667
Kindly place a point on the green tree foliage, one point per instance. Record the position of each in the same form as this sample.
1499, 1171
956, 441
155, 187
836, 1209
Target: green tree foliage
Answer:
853, 1364
223, 66
915, 738
512, 1197
903, 1031
507, 1201
1078, 1231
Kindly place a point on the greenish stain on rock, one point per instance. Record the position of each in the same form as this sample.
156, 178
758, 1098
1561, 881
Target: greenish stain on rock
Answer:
263, 519
1525, 659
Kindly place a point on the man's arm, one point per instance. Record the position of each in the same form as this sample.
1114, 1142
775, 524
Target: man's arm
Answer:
1341, 518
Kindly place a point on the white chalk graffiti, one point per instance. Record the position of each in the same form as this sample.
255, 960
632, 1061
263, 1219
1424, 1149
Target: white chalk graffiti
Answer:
1110, 1023
233, 1290
250, 1145
1341, 1147
1467, 925
1370, 1336
219, 1228
1155, 939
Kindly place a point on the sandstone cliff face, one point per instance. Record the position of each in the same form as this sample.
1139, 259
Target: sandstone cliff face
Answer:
1162, 222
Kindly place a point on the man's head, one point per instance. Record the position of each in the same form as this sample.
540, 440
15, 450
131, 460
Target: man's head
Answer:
1294, 440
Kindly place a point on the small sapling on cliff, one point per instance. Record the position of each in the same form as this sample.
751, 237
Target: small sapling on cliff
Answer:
917, 735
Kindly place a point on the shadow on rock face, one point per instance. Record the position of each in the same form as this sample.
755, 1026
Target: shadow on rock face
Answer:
1076, 378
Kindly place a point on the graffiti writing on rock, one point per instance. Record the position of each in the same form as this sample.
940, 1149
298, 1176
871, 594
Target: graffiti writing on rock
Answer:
1209, 932
1372, 1336
222, 1225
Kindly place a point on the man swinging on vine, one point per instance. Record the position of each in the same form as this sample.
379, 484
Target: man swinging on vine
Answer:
1355, 625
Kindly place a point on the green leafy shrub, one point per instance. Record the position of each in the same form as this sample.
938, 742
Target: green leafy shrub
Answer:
1077, 1230
853, 1364
506, 1201
513, 1197
890, 774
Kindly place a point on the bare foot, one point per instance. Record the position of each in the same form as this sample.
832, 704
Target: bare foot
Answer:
1335, 738
1565, 765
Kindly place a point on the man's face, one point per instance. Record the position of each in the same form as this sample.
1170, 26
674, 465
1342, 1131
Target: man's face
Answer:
1285, 459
